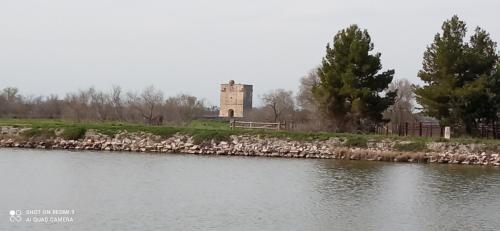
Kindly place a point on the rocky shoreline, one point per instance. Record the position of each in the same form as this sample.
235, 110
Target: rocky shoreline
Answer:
334, 148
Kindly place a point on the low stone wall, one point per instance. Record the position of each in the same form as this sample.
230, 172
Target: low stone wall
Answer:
334, 148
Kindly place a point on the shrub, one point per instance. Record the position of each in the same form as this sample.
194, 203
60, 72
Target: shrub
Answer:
357, 141
73, 133
410, 147
41, 133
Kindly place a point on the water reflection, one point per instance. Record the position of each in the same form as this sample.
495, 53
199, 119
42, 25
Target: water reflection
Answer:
125, 191
411, 196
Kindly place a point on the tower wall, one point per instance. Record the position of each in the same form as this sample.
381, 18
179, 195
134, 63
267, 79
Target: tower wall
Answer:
236, 98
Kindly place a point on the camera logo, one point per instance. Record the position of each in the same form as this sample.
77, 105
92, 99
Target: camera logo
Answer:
15, 215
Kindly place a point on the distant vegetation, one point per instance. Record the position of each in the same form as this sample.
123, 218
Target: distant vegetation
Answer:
348, 92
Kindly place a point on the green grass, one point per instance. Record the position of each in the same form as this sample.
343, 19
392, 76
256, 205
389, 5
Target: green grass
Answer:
206, 130
208, 135
208, 124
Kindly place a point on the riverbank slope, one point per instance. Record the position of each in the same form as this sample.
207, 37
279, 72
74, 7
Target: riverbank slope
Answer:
216, 138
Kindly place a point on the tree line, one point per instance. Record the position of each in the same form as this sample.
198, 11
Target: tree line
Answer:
148, 106
349, 91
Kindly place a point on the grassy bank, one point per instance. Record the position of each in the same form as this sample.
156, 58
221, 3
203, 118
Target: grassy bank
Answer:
203, 130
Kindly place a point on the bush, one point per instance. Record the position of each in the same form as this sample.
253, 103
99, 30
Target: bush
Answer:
73, 133
42, 133
357, 141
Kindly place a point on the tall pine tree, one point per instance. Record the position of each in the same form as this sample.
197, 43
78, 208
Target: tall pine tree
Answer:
458, 77
350, 88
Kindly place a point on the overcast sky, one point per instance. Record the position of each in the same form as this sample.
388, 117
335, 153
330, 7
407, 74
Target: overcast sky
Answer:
191, 46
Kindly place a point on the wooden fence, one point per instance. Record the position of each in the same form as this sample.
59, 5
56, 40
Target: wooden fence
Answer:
489, 131
424, 129
427, 129
432, 129
257, 125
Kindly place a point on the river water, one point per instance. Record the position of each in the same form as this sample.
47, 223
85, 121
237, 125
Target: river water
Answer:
127, 191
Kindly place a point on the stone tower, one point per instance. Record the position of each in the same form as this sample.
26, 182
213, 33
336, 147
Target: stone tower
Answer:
235, 99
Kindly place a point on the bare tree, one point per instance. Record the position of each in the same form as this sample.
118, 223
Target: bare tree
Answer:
43, 107
402, 109
117, 103
11, 100
52, 107
3, 105
77, 104
100, 103
183, 107
11, 93
96, 105
279, 101
148, 104
305, 97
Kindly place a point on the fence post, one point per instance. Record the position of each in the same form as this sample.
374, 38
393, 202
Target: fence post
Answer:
494, 130
486, 131
447, 132
420, 129
406, 129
